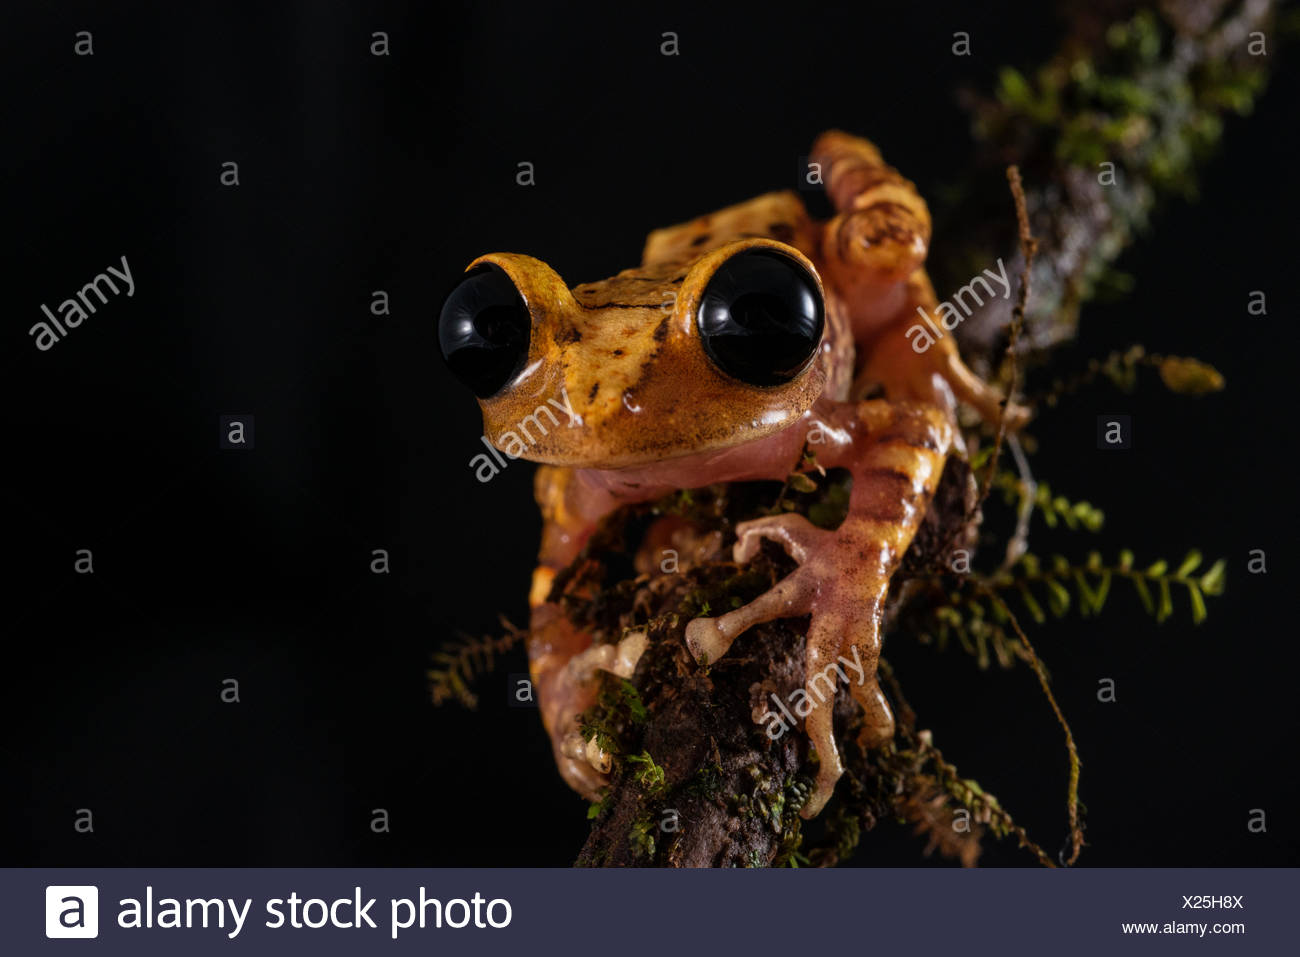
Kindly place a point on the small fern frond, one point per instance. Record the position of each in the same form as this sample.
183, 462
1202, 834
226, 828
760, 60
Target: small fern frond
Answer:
1062, 584
458, 664
1055, 509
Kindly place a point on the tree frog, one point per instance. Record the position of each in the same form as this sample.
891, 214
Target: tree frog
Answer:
743, 336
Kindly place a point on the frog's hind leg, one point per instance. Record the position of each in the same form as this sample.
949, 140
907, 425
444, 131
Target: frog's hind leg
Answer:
881, 232
873, 251
843, 575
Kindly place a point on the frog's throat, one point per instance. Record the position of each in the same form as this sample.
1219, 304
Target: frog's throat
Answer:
772, 457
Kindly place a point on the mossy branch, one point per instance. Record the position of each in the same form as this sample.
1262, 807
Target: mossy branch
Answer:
1147, 92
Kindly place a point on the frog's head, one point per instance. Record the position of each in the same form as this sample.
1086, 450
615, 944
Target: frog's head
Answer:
667, 360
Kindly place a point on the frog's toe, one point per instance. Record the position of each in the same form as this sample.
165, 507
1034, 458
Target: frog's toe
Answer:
791, 531
571, 688
823, 790
583, 764
710, 638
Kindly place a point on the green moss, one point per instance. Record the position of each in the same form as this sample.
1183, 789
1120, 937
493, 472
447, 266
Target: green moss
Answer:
617, 711
641, 836
705, 782
648, 774
598, 808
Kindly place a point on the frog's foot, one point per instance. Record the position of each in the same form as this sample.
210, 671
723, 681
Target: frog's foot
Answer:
840, 582
710, 638
583, 764
562, 662
843, 575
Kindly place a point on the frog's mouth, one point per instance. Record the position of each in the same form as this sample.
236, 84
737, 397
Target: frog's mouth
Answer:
636, 439
772, 457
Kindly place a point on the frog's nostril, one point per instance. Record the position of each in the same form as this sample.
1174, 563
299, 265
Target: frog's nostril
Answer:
484, 330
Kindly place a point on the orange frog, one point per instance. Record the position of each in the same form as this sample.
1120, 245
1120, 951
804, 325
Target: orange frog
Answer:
743, 335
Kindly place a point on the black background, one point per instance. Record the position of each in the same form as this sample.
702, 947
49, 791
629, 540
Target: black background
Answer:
360, 173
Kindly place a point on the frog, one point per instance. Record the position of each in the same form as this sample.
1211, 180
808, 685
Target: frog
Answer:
745, 339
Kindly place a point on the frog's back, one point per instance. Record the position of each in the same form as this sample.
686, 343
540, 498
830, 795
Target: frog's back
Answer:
780, 216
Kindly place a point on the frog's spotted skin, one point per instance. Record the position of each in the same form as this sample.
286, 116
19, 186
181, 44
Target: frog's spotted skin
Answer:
649, 413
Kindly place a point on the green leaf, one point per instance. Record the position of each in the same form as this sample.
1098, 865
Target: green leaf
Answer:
1090, 601
1189, 564
1166, 607
1000, 613
1103, 589
1189, 376
1087, 600
1212, 581
1198, 604
636, 708
802, 483
1031, 603
1144, 594
1059, 597
1014, 88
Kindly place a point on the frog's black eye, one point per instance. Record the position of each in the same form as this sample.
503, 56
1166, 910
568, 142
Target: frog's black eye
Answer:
484, 330
761, 317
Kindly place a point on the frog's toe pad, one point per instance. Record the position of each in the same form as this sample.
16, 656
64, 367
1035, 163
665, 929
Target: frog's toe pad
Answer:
705, 640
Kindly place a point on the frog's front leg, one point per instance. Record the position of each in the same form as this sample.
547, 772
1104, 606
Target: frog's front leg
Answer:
843, 575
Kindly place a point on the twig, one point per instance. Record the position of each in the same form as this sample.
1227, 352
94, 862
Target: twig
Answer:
1018, 543
1028, 246
1072, 792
